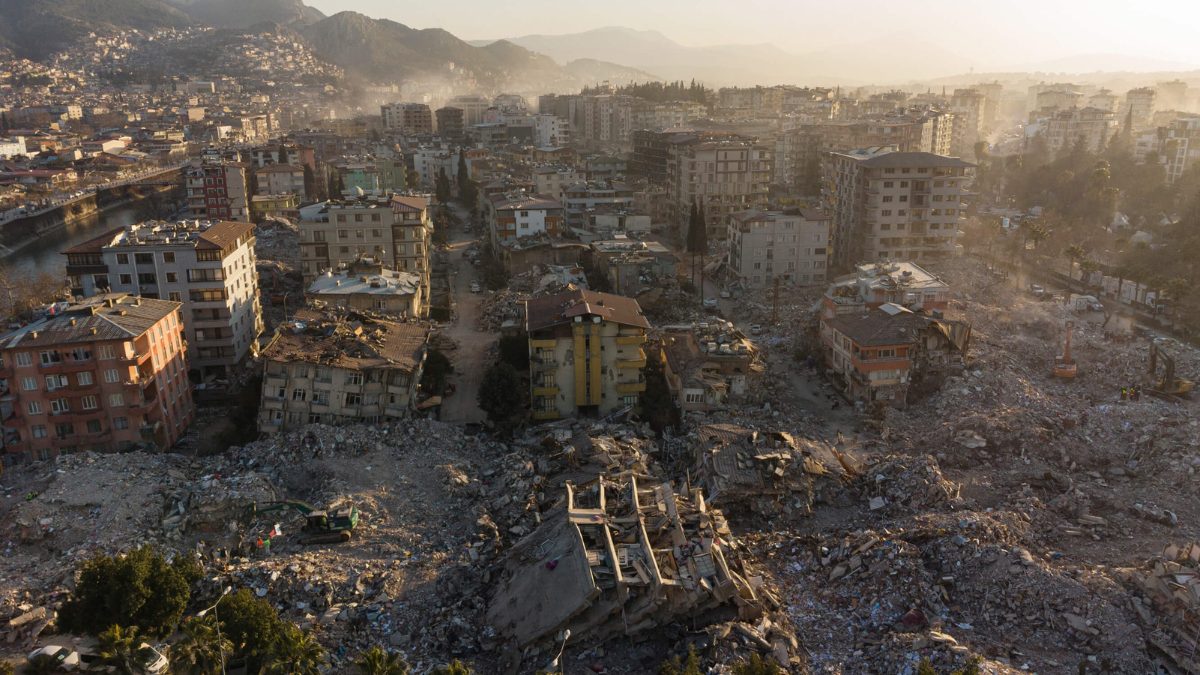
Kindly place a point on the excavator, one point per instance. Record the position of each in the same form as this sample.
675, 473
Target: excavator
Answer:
321, 526
1064, 367
1169, 384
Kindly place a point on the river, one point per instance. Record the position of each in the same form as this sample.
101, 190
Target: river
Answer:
45, 254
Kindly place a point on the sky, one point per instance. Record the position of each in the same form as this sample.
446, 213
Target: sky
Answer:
989, 33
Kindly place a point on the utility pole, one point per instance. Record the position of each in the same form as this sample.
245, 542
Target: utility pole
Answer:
775, 304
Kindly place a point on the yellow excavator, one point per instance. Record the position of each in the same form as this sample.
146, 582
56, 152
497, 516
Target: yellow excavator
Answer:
1169, 384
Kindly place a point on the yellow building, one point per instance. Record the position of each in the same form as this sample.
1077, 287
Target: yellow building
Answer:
586, 353
285, 205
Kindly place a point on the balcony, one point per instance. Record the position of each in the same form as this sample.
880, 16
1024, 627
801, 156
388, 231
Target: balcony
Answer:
544, 363
78, 389
545, 414
13, 421
273, 402
638, 360
631, 339
542, 390
277, 379
210, 304
90, 438
142, 354
62, 367
223, 341
149, 429
144, 407
632, 386
543, 344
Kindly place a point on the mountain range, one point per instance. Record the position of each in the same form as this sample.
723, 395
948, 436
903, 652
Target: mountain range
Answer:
377, 50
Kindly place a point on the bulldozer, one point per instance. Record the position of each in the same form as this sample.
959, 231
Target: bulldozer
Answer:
1169, 384
1065, 367
329, 526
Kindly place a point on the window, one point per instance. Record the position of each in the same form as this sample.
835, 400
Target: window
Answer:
88, 402
886, 212
94, 426
214, 295
376, 233
903, 198
172, 277
889, 171
887, 198
206, 275
175, 296
58, 405
120, 423
24, 359
318, 236
28, 383
354, 378
300, 370
168, 256
39, 431
300, 395
34, 407
295, 417
320, 398
122, 258
116, 400
126, 279
888, 184
694, 398
85, 378
143, 258
353, 399
885, 353
106, 352
358, 234
64, 429
50, 357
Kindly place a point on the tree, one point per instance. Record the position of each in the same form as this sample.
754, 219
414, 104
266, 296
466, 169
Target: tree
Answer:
310, 183
658, 405
514, 350
202, 649
433, 377
6, 667
464, 173
1073, 252
40, 665
138, 589
456, 667
500, 394
672, 666
251, 625
468, 194
375, 661
293, 652
442, 187
412, 179
123, 650
756, 666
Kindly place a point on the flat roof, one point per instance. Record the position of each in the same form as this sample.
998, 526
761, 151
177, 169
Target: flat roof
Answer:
389, 282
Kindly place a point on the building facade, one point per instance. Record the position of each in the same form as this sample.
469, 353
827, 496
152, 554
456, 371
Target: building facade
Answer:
1095, 127
410, 118
890, 205
792, 246
722, 176
106, 374
585, 353
218, 191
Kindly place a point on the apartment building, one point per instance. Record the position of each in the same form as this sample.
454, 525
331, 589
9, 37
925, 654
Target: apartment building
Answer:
552, 181
410, 118
218, 191
1143, 101
1103, 100
889, 205
105, 374
705, 364
474, 108
392, 229
968, 108
1059, 99
278, 179
208, 266
584, 199
450, 123
792, 246
340, 368
1094, 126
585, 353
1183, 146
550, 130
723, 176
517, 215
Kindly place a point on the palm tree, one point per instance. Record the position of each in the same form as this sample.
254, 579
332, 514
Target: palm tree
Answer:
375, 661
294, 652
202, 649
122, 649
41, 665
1073, 252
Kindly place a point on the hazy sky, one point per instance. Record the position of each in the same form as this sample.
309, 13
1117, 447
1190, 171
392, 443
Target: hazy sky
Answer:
988, 32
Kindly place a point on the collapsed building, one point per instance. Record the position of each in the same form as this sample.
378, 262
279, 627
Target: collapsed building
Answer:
632, 266
327, 367
626, 553
706, 363
366, 284
766, 473
875, 284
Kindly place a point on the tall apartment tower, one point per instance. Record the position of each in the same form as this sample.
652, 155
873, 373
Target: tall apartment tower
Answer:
219, 191
890, 205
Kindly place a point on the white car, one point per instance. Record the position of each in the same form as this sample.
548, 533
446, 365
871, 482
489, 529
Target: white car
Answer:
755, 329
67, 658
475, 288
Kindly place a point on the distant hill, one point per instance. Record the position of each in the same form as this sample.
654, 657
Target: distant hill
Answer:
247, 13
591, 71
35, 29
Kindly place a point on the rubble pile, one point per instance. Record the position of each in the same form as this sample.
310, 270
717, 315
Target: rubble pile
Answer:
502, 309
278, 240
1169, 585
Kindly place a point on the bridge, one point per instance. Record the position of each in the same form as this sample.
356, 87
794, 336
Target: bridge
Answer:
144, 179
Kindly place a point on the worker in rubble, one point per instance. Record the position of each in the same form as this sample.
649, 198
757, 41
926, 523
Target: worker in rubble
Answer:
1124, 394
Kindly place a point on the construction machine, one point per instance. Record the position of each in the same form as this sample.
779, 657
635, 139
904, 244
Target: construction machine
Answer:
320, 527
1169, 384
1064, 367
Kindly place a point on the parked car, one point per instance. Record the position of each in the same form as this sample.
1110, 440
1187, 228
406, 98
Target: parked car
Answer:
755, 329
65, 657
726, 295
475, 287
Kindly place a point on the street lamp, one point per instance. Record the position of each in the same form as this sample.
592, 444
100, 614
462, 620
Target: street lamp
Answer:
554, 664
217, 621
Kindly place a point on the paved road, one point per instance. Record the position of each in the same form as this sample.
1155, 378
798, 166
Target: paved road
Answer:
471, 358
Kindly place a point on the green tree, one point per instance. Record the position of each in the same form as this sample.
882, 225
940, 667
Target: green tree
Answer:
456, 667
756, 666
310, 183
201, 650
251, 624
6, 667
124, 651
514, 350
468, 194
658, 405
375, 661
293, 652
500, 394
138, 589
412, 179
925, 668
1073, 253
672, 666
39, 665
441, 188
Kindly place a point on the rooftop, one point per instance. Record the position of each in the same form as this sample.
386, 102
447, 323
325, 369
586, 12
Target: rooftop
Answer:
112, 316
552, 310
348, 340
388, 282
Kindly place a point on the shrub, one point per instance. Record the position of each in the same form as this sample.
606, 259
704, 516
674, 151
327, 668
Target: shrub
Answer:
138, 589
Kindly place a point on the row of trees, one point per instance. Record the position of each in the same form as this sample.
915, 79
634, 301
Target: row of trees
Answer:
659, 92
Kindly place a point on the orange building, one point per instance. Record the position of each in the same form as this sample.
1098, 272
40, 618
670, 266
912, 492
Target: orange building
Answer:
105, 374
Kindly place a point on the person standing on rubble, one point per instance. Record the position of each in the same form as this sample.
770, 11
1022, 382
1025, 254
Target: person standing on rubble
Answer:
1124, 394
